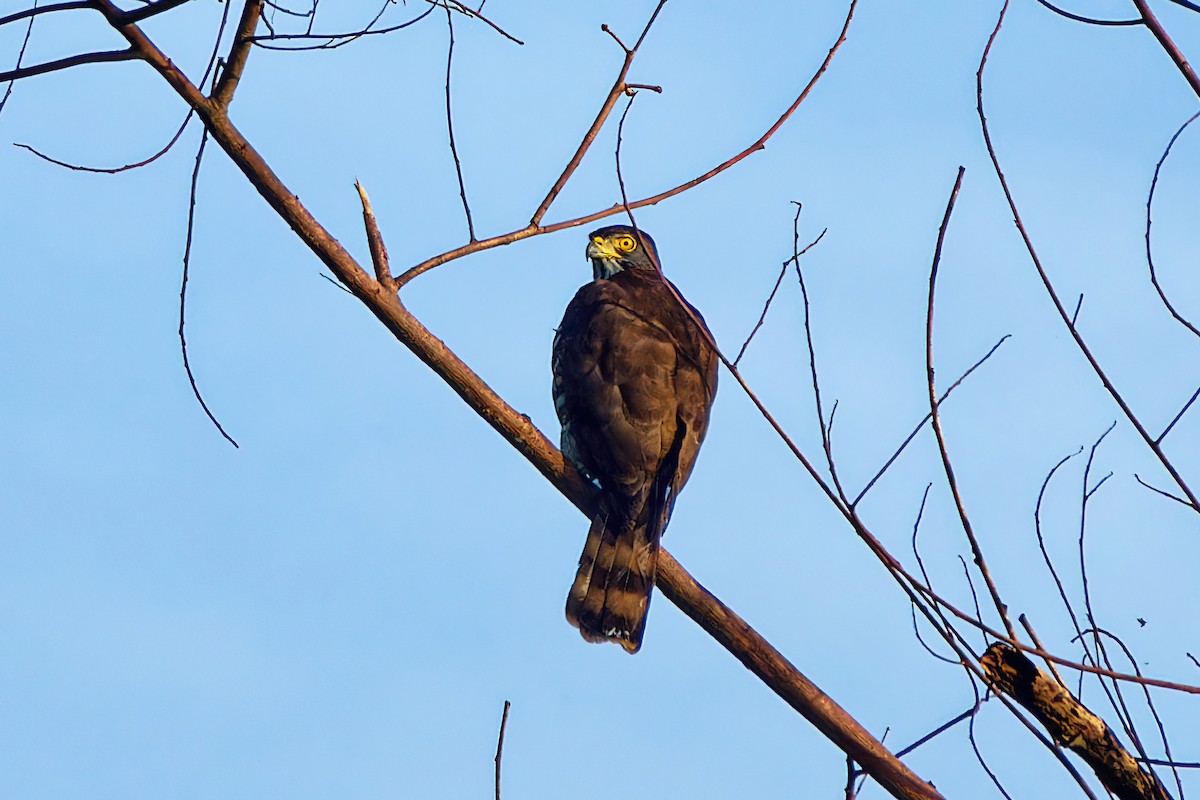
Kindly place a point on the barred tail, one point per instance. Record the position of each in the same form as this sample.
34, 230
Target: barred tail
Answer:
611, 594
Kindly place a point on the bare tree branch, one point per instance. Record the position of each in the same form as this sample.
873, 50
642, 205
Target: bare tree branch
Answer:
101, 57
1150, 253
1168, 45
716, 618
941, 399
935, 419
8, 90
462, 186
535, 228
1089, 20
474, 13
187, 256
606, 108
235, 64
1193, 500
500, 744
334, 40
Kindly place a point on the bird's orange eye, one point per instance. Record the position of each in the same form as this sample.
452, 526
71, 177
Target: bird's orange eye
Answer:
625, 243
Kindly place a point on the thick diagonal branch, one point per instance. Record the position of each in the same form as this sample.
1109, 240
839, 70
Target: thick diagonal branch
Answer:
716, 618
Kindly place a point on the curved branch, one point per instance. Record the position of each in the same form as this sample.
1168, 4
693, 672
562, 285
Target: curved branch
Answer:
1154, 445
1088, 20
1149, 252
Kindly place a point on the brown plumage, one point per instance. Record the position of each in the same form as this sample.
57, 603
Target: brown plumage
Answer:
634, 379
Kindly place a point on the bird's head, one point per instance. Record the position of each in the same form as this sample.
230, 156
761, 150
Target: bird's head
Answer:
619, 247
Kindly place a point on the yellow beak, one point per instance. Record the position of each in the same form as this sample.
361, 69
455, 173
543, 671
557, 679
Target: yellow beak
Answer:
601, 248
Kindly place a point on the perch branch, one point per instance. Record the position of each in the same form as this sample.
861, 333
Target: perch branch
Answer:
716, 618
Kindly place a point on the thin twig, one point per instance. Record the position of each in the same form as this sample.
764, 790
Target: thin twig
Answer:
474, 13
1033, 637
212, 60
135, 16
1049, 562
1089, 20
500, 745
1168, 45
1162, 730
534, 228
1100, 654
974, 595
939, 730
796, 253
826, 439
335, 40
763, 316
1149, 253
462, 186
1085, 496
926, 418
112, 170
937, 609
239, 51
936, 422
979, 755
8, 90
1178, 416
187, 255
36, 10
606, 108
1163, 492
101, 57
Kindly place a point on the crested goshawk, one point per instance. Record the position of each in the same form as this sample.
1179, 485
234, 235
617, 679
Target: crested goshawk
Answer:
634, 377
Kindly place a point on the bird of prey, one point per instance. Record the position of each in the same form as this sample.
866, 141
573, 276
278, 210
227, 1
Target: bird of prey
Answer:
635, 373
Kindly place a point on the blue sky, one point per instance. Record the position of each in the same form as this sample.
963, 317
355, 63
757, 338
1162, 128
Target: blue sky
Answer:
340, 607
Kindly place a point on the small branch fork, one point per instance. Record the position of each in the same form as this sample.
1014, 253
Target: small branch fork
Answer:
620, 87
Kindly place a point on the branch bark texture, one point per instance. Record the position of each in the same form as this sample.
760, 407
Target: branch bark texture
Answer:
1070, 723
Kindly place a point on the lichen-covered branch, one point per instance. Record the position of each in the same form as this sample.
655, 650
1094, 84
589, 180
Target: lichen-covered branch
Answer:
1070, 723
